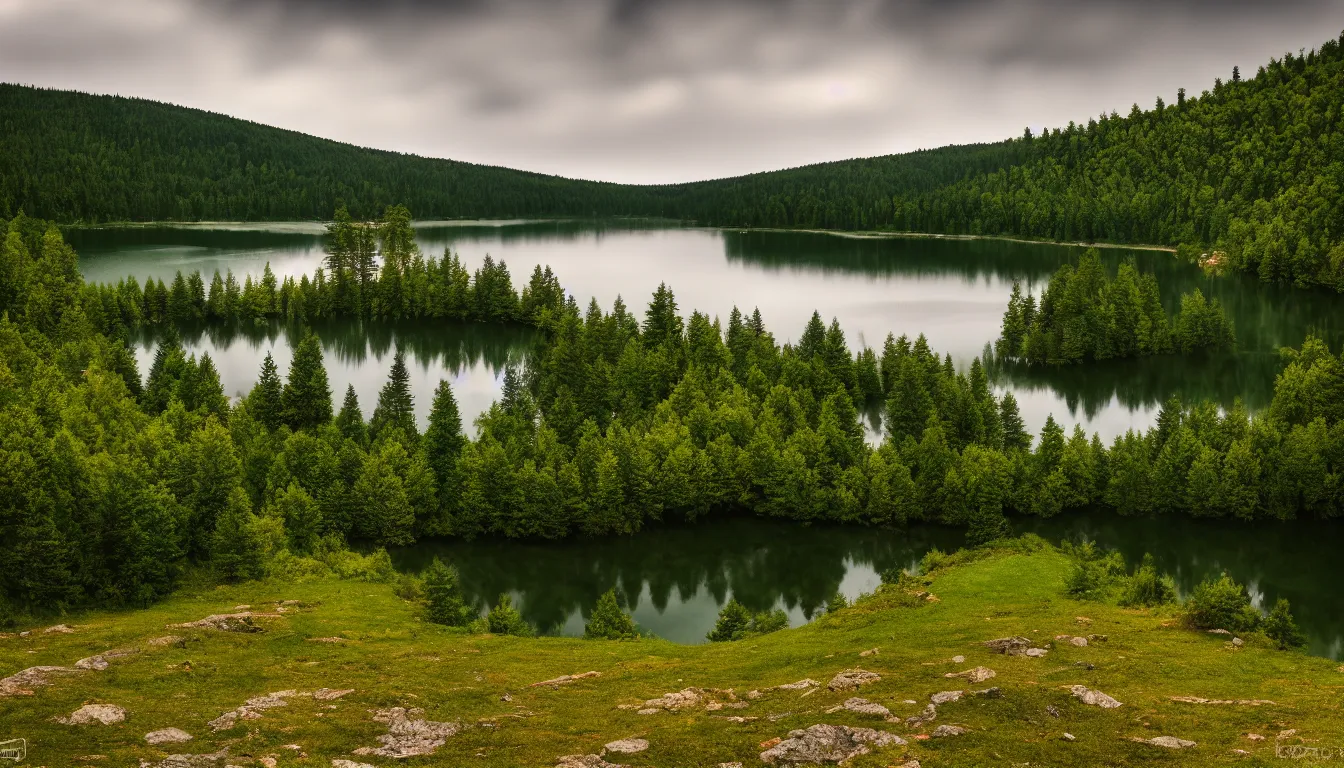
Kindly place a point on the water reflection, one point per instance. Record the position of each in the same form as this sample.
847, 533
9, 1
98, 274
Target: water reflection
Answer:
1297, 560
472, 356
678, 577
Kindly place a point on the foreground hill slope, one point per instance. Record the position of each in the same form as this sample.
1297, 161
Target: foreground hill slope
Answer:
473, 699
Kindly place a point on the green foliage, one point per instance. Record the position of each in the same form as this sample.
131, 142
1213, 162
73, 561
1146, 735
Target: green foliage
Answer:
769, 621
1146, 587
1221, 604
1280, 627
734, 623
504, 619
238, 550
1094, 570
839, 602
443, 594
608, 621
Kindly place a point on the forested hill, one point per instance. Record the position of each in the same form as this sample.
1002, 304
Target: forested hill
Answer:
1253, 166
75, 157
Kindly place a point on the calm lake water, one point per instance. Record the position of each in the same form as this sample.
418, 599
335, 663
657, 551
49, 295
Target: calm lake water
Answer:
953, 291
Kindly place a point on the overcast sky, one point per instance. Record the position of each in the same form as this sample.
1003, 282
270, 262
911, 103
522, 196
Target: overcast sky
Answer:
652, 90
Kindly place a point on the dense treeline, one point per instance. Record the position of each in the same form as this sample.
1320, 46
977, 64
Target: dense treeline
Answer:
108, 489
1250, 167
1086, 314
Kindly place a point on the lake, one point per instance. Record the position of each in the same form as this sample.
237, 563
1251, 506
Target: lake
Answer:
953, 291
676, 578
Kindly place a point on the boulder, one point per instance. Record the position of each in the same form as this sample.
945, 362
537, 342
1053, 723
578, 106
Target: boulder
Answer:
976, 675
687, 697
227, 622
19, 683
409, 734
827, 744
851, 679
943, 731
106, 714
928, 715
944, 697
339, 763
167, 736
627, 746
1012, 646
1093, 698
798, 686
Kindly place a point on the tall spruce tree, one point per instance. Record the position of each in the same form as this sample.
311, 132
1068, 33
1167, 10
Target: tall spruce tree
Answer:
350, 421
396, 405
265, 399
306, 399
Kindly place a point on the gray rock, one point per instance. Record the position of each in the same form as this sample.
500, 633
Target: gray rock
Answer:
106, 714
1035, 653
1238, 642
943, 697
928, 715
189, 761
1069, 737
851, 679
1052, 710
798, 686
92, 663
958, 659
1013, 646
687, 697
627, 746
227, 622
975, 675
18, 683
1081, 642
167, 736
409, 734
866, 707
1220, 632
1093, 698
943, 731
583, 761
339, 763
827, 744
1170, 742
989, 693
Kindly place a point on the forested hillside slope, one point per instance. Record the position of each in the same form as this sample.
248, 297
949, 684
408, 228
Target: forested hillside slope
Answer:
1251, 166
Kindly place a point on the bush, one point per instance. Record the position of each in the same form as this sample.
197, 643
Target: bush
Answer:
504, 619
444, 596
769, 621
1221, 604
733, 624
1146, 587
608, 621
1280, 627
932, 560
1093, 569
984, 528
409, 588
839, 602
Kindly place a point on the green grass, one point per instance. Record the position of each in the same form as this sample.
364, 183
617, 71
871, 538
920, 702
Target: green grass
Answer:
392, 658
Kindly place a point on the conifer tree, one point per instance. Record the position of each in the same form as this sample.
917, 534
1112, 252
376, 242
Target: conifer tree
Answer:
443, 595
443, 446
350, 421
504, 619
265, 399
608, 621
1280, 627
396, 406
306, 399
733, 623
238, 548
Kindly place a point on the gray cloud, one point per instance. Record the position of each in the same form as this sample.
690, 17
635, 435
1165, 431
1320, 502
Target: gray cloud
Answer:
647, 90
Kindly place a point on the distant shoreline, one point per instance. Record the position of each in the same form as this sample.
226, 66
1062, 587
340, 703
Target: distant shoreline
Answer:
871, 234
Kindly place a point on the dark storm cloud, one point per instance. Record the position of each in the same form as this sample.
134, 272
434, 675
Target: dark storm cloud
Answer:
651, 90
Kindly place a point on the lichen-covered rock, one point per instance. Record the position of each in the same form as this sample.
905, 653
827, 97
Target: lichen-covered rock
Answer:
106, 714
566, 679
1009, 645
627, 746
1170, 742
1093, 698
850, 679
989, 693
167, 736
19, 683
865, 707
165, 640
944, 697
687, 697
1034, 653
976, 675
252, 709
227, 622
340, 763
944, 731
409, 734
189, 761
798, 686
827, 744
928, 715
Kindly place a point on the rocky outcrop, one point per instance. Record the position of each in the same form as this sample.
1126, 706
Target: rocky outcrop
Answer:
167, 736
686, 697
976, 675
409, 734
566, 679
1227, 702
1169, 742
851, 679
827, 744
1093, 698
1012, 646
105, 714
584, 761
944, 731
626, 746
944, 697
228, 622
21, 683
865, 707
189, 761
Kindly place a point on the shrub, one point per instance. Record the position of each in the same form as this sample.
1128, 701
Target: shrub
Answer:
443, 594
733, 624
987, 527
408, 587
1221, 604
608, 621
1280, 627
932, 560
1093, 569
1147, 587
839, 602
504, 619
769, 621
